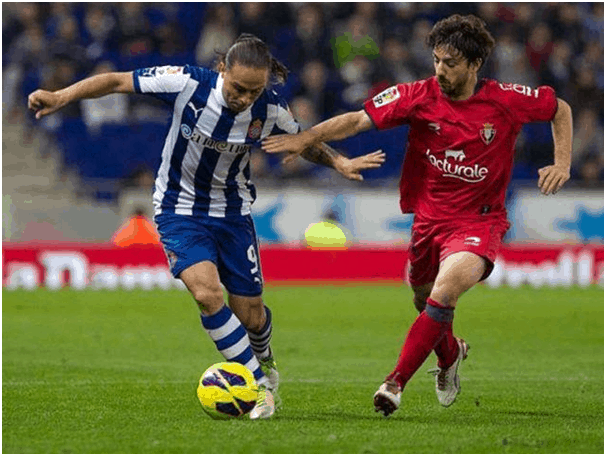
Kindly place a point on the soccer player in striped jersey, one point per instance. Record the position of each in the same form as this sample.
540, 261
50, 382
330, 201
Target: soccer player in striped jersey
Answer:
203, 189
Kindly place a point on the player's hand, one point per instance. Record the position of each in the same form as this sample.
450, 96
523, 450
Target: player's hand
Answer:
44, 102
350, 168
295, 144
552, 178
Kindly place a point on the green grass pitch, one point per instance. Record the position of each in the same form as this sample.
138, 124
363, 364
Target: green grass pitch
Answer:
116, 372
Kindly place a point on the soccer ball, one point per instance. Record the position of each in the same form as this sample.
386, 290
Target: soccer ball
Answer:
227, 390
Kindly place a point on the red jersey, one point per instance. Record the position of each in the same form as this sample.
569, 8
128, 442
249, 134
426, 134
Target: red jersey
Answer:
460, 153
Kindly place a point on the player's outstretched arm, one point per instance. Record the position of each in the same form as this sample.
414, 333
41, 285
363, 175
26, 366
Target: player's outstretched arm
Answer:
325, 155
339, 127
44, 102
553, 177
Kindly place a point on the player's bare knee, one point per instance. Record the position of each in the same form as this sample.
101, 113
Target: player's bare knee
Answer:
421, 293
255, 316
420, 302
209, 300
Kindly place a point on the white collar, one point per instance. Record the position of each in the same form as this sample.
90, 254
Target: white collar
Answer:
219, 91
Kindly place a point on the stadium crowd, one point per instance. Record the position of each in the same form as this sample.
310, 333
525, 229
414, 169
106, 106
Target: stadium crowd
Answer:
51, 45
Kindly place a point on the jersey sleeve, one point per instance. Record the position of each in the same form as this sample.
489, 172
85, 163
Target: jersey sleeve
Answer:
527, 104
394, 106
285, 122
162, 82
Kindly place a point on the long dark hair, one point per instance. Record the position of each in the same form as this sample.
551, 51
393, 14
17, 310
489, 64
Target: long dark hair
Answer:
250, 51
466, 34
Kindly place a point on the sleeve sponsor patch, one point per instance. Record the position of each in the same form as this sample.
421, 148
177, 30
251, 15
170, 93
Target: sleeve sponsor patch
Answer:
386, 97
161, 71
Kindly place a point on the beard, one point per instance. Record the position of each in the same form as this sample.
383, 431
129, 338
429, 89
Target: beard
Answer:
451, 89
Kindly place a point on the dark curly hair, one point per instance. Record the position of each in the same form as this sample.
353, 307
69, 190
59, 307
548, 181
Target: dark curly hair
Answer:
466, 34
250, 51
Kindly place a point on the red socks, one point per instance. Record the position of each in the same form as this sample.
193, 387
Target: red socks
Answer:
447, 349
426, 332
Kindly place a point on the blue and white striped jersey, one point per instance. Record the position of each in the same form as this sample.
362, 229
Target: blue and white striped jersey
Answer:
205, 165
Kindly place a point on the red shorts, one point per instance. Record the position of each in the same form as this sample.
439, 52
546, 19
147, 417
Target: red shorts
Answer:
431, 243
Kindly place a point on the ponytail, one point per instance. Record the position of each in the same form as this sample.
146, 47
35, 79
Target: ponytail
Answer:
250, 51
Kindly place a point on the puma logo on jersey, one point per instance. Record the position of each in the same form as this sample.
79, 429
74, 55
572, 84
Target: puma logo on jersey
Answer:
472, 240
196, 111
458, 155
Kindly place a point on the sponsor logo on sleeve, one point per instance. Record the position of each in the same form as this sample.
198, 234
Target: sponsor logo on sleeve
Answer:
168, 70
519, 88
386, 97
148, 72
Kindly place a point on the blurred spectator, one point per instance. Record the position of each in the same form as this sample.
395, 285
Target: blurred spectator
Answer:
27, 55
402, 19
169, 43
588, 137
371, 14
591, 174
99, 25
357, 76
593, 21
253, 19
592, 59
421, 56
141, 178
218, 33
304, 111
311, 40
539, 46
395, 61
568, 24
316, 86
587, 94
111, 108
66, 45
16, 18
133, 37
59, 11
523, 19
511, 64
558, 65
489, 12
392, 67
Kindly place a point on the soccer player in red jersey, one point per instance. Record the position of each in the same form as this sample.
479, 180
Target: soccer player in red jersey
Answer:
456, 170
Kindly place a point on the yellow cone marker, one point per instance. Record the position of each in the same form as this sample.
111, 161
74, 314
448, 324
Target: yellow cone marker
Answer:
325, 235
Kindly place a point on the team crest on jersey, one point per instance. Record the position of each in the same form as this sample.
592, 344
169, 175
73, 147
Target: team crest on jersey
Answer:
488, 133
255, 129
386, 97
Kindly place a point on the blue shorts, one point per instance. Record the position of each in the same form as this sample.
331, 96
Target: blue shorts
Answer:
230, 244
